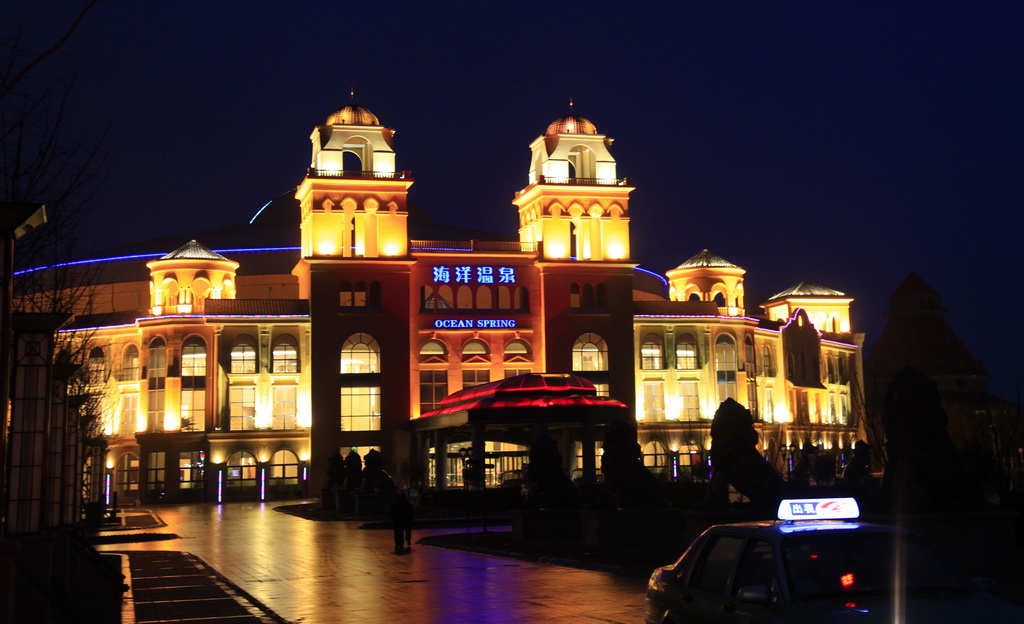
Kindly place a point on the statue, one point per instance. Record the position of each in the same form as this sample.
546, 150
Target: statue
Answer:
335, 471
376, 480
631, 482
353, 470
547, 485
735, 460
924, 469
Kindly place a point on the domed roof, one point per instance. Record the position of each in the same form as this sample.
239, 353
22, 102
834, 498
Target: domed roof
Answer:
353, 115
572, 124
705, 259
193, 251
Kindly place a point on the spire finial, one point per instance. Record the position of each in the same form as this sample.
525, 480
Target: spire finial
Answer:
570, 104
352, 93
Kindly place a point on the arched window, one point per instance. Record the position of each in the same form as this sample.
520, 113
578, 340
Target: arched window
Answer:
433, 351
130, 364
126, 476
156, 380
95, 368
193, 358
588, 296
464, 298
719, 299
284, 468
767, 365
193, 384
475, 350
518, 351
686, 352
590, 353
243, 355
574, 296
749, 355
601, 296
284, 355
522, 299
445, 297
725, 367
656, 457
484, 298
842, 370
831, 363
652, 353
360, 354
504, 298
241, 470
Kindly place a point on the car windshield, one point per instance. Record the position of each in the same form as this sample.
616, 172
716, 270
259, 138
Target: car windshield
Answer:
845, 563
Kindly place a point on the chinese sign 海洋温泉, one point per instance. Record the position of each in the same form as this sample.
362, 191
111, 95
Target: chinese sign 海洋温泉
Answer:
474, 274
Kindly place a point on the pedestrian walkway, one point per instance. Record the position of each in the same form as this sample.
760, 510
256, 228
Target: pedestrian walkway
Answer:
168, 587
171, 586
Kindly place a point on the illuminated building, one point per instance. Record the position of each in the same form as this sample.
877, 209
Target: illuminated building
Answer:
238, 373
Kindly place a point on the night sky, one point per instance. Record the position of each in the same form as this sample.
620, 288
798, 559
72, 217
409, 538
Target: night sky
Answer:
839, 142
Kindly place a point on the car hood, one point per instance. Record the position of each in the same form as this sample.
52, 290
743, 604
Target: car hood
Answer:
928, 607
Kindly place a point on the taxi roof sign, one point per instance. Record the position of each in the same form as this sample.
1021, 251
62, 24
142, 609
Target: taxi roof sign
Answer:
818, 509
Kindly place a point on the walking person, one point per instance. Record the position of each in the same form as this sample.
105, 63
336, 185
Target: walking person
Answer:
401, 522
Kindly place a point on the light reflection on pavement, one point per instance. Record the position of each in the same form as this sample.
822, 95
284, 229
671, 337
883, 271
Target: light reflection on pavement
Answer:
321, 571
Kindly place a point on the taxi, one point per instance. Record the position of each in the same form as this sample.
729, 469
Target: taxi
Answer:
817, 564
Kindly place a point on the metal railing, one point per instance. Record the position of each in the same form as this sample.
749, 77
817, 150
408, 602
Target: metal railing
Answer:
473, 245
370, 175
585, 181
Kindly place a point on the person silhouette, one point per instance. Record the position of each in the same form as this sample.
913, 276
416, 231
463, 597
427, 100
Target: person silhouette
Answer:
401, 522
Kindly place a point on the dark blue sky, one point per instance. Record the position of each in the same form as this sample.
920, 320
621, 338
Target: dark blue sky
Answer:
844, 143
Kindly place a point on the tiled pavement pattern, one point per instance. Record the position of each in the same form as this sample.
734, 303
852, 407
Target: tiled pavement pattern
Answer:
172, 586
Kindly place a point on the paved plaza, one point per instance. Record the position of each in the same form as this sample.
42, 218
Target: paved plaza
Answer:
312, 572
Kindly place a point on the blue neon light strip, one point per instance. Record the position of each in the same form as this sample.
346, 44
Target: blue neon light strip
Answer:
149, 255
664, 282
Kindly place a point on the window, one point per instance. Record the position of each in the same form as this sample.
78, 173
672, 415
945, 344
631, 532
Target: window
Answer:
360, 354
518, 351
156, 474
433, 388
475, 351
284, 355
285, 408
752, 397
433, 351
241, 470
590, 353
689, 403
156, 379
515, 372
769, 406
190, 469
686, 352
193, 385
193, 358
725, 367
749, 355
130, 364
574, 296
757, 567
129, 414
475, 377
359, 295
767, 362
126, 474
242, 401
360, 409
654, 401
716, 564
652, 353
95, 366
243, 356
284, 468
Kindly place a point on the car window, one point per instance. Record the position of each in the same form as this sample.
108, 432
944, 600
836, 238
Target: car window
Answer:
833, 563
717, 563
757, 566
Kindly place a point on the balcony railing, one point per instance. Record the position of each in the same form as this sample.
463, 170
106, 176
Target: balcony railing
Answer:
473, 245
585, 181
370, 175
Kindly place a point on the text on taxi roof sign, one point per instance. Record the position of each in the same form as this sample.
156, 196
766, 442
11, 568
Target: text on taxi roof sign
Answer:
818, 509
